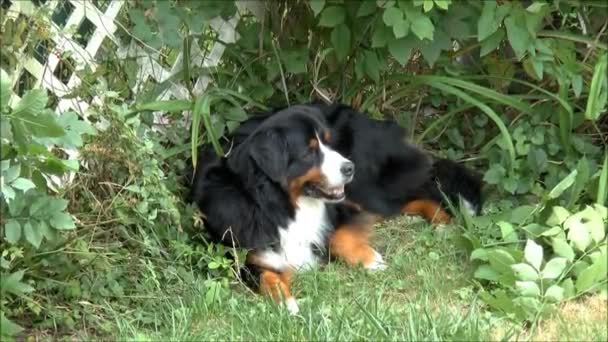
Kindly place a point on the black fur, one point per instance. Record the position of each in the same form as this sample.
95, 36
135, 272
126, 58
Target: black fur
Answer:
390, 171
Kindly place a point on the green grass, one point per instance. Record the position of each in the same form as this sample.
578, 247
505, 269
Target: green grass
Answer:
425, 294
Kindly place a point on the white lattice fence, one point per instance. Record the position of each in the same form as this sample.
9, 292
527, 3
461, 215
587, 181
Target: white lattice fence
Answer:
78, 29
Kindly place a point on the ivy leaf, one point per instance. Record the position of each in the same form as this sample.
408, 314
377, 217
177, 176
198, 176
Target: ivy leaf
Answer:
501, 260
392, 16
23, 184
533, 253
340, 39
5, 89
555, 294
32, 233
366, 8
317, 6
527, 288
525, 272
12, 231
487, 24
518, 35
563, 249
62, 221
554, 268
332, 16
401, 49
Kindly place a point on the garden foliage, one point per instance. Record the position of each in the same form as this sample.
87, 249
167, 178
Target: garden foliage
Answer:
517, 89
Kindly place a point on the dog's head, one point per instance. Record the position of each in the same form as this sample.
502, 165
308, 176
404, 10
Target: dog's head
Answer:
291, 150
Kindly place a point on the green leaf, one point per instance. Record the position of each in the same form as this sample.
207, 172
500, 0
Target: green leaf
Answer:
563, 249
12, 231
32, 234
340, 39
332, 16
372, 65
554, 268
401, 28
586, 279
43, 124
13, 284
563, 185
392, 16
443, 4
507, 231
431, 50
62, 221
423, 27
555, 294
518, 35
9, 328
492, 42
521, 214
568, 286
382, 35
169, 106
495, 174
535, 7
590, 220
525, 272
527, 288
32, 103
501, 260
486, 272
5, 89
23, 184
366, 8
595, 102
558, 216
427, 5
401, 49
487, 23
74, 128
317, 6
295, 60
533, 253
12, 173
578, 234
479, 254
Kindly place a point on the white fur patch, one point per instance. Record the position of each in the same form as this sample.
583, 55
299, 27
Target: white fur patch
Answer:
378, 263
292, 306
331, 167
308, 229
469, 207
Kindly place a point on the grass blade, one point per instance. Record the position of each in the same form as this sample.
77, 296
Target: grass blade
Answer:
602, 188
186, 61
572, 37
485, 108
163, 106
594, 103
202, 112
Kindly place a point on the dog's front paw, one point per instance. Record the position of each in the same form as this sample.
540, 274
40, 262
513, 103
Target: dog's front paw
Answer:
292, 306
377, 263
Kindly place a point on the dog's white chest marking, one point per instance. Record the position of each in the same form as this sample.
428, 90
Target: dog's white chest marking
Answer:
298, 240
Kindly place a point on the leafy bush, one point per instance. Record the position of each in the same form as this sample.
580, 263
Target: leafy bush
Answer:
518, 89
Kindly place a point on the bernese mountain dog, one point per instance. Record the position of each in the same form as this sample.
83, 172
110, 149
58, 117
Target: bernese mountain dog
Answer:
393, 177
280, 194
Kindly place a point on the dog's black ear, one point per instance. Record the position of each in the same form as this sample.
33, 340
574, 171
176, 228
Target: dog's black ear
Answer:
269, 151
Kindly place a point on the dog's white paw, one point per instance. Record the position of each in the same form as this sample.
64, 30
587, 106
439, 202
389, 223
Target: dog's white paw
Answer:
378, 263
292, 306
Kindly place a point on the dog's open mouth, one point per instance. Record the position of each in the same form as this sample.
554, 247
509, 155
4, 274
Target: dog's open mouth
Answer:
333, 194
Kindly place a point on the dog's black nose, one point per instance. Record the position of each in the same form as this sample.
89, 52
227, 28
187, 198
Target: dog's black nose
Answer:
348, 169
